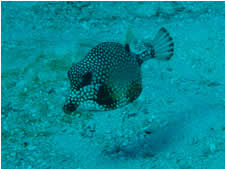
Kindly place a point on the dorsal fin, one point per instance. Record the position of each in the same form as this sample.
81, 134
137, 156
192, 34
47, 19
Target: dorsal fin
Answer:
127, 48
129, 36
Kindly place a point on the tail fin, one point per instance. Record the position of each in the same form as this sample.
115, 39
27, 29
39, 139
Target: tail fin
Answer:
162, 45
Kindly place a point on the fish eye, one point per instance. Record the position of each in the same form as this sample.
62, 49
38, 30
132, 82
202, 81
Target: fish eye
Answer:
69, 108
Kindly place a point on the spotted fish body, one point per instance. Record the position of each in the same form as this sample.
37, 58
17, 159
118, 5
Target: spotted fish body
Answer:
109, 76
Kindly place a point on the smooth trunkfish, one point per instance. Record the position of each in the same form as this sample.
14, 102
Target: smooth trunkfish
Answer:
109, 76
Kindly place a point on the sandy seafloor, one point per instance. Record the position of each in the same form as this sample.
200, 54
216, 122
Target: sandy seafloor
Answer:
178, 122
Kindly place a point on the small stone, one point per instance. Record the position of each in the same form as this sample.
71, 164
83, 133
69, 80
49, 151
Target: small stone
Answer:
132, 114
78, 115
125, 143
119, 134
31, 147
168, 155
212, 148
108, 131
153, 117
130, 132
147, 130
13, 154
146, 111
149, 120
194, 140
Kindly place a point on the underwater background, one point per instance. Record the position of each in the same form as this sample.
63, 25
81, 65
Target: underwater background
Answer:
178, 122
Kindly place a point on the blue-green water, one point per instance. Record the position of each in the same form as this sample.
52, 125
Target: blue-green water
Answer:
177, 122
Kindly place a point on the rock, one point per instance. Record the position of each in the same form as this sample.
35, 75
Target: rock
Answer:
212, 148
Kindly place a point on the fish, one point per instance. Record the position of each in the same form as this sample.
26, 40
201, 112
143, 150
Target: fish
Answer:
109, 76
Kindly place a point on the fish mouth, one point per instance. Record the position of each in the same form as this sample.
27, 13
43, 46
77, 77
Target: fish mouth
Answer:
70, 107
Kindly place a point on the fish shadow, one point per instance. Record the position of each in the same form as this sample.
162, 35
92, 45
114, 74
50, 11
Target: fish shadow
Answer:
162, 139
